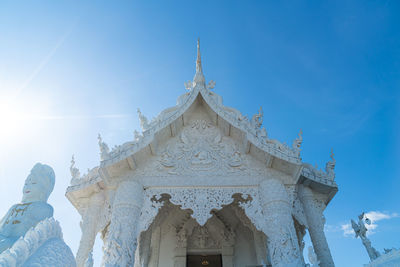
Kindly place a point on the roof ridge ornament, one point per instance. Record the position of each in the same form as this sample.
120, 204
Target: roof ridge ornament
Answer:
297, 143
330, 166
144, 122
104, 150
75, 174
199, 76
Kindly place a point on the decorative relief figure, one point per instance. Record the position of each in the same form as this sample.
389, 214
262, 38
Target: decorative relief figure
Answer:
201, 150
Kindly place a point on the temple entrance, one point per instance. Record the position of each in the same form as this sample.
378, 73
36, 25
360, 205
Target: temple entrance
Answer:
204, 261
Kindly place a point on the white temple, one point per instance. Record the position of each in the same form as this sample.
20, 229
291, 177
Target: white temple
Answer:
203, 185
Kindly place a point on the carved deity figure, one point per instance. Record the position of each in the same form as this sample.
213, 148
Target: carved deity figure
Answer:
361, 231
32, 209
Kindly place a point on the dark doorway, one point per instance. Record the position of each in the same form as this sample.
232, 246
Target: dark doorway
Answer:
203, 261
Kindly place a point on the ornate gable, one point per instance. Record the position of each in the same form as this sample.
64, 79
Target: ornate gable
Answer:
201, 149
222, 143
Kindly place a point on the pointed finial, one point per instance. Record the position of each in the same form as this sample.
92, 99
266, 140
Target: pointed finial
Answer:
198, 61
199, 77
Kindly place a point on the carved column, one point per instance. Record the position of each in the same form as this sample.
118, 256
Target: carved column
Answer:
315, 219
121, 242
278, 225
90, 227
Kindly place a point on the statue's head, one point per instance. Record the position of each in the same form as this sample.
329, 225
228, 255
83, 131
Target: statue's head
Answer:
39, 183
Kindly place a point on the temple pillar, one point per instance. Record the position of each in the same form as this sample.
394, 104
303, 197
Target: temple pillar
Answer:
122, 236
315, 219
278, 225
89, 227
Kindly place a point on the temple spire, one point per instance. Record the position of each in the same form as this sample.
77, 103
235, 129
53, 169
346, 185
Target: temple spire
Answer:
198, 77
198, 61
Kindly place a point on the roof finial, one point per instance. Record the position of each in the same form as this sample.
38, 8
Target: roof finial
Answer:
198, 61
198, 77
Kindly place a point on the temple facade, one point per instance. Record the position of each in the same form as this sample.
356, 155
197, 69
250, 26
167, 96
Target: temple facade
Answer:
202, 185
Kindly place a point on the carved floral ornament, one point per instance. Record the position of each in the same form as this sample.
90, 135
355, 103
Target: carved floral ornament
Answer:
201, 201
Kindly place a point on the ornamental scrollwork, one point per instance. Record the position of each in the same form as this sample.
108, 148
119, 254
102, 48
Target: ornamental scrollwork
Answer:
201, 200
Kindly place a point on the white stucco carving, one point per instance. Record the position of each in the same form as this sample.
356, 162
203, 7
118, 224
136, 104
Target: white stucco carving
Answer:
194, 168
202, 200
202, 150
121, 242
278, 224
361, 231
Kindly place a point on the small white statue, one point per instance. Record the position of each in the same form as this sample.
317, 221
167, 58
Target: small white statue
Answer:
32, 209
361, 231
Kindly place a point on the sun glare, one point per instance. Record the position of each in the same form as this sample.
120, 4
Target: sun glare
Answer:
17, 118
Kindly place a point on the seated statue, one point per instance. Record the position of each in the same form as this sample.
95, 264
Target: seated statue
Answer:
29, 235
32, 209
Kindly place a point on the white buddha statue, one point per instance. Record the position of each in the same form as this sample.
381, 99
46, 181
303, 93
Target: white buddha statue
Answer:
32, 209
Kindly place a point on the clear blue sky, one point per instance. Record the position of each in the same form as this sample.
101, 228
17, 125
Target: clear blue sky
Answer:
330, 68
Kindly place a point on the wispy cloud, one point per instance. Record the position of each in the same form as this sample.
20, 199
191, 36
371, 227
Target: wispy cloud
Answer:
374, 217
